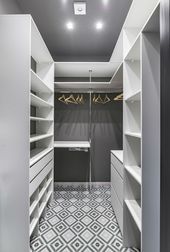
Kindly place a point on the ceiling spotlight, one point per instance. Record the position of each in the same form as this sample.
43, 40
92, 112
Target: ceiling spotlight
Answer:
80, 8
105, 2
70, 25
99, 25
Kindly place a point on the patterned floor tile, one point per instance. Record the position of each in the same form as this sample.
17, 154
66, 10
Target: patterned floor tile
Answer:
68, 236
79, 220
87, 236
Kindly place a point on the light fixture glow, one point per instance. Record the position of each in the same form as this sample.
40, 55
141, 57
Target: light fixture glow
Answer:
70, 25
105, 2
99, 25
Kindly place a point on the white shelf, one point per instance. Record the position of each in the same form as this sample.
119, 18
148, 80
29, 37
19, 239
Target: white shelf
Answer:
33, 118
43, 190
43, 205
134, 97
48, 196
135, 172
33, 224
72, 144
135, 210
38, 102
33, 206
41, 208
37, 154
36, 137
133, 134
38, 85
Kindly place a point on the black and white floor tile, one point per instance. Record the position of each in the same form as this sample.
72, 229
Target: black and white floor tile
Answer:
79, 220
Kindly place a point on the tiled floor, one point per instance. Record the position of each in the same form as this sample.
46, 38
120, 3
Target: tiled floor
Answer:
79, 221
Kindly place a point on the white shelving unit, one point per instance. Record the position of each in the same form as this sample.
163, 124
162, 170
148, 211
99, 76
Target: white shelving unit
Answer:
141, 120
132, 141
41, 128
27, 116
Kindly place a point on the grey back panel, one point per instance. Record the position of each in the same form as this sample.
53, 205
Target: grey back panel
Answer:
72, 123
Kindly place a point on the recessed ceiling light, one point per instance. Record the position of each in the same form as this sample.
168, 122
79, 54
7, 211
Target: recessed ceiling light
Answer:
70, 25
99, 25
105, 2
80, 8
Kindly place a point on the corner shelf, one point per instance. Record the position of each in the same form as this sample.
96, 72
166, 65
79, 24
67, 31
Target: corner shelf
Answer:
135, 172
135, 211
38, 102
38, 85
36, 137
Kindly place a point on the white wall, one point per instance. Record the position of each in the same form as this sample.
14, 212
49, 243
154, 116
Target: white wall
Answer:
9, 7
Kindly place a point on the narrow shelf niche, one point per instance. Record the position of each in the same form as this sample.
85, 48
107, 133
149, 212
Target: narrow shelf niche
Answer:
132, 151
132, 117
132, 76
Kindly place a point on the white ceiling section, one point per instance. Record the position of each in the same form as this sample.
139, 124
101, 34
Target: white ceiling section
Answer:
81, 69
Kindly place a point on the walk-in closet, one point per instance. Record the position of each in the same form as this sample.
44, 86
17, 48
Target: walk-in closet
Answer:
84, 142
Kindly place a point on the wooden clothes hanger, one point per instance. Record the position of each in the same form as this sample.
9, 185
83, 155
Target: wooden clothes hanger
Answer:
94, 98
62, 99
106, 99
119, 97
81, 100
98, 99
78, 99
71, 99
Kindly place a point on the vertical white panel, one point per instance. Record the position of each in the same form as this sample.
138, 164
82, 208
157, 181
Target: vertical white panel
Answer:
14, 133
151, 142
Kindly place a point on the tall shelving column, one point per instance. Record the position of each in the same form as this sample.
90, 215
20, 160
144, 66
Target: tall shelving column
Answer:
26, 146
41, 128
132, 146
151, 147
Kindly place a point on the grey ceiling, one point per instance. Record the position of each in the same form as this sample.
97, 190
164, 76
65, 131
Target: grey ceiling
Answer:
84, 43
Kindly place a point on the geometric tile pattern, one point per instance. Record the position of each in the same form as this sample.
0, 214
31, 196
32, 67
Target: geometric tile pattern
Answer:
79, 221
